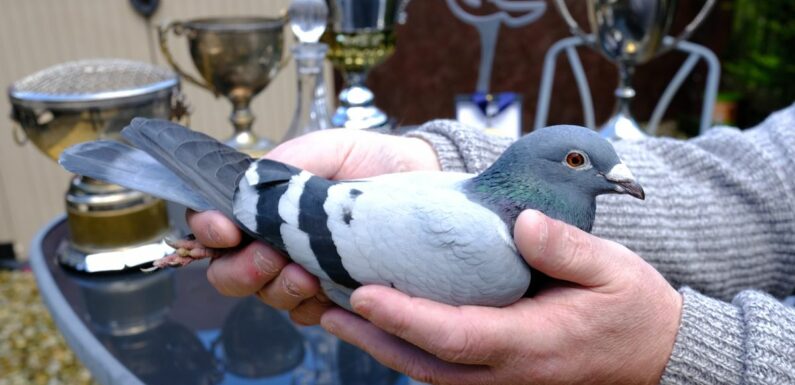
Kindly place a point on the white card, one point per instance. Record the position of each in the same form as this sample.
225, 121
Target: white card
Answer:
502, 120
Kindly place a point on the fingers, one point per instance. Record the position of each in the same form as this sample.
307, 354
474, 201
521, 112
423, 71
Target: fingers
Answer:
400, 355
245, 271
466, 335
328, 149
423, 155
213, 229
309, 312
565, 252
258, 269
292, 286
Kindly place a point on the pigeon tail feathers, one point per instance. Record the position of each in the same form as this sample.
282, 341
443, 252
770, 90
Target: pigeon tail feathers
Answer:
118, 163
209, 166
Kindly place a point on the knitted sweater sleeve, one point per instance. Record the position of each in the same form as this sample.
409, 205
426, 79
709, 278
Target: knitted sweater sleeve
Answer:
718, 222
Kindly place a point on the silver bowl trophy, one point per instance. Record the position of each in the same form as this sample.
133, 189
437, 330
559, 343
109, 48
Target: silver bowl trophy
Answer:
111, 228
629, 33
361, 36
237, 57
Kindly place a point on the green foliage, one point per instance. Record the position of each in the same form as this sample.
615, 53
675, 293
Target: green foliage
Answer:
761, 63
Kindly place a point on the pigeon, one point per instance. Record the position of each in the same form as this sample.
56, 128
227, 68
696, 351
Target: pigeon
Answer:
443, 236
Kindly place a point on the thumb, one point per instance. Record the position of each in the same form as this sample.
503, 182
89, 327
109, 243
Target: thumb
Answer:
565, 252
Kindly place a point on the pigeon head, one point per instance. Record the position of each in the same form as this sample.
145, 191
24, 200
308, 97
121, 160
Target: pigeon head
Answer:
575, 158
558, 170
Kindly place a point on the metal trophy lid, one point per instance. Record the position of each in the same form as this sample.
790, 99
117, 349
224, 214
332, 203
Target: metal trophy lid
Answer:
91, 83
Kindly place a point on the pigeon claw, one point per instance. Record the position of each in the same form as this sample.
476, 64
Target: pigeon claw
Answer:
186, 250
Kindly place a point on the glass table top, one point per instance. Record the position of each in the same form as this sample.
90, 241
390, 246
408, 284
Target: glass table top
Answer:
172, 327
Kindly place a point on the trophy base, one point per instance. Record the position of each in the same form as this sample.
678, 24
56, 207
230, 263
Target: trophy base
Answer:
123, 259
112, 228
249, 143
358, 111
360, 118
622, 127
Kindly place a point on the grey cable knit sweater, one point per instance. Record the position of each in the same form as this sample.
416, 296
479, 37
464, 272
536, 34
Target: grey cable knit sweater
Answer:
718, 222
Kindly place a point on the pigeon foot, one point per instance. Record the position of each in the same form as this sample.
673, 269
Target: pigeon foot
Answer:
186, 250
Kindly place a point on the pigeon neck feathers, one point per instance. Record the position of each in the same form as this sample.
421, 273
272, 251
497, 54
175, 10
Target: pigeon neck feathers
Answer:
508, 197
518, 181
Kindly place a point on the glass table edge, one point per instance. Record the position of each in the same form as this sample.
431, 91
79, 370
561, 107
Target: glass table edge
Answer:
104, 367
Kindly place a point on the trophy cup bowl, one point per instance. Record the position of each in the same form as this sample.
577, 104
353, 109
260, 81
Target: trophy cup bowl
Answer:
361, 35
87, 100
236, 57
629, 33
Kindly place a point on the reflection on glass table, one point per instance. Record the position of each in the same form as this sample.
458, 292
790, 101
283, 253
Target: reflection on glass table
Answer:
172, 327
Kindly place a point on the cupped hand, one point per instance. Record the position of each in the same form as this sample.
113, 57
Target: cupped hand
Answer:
258, 269
610, 318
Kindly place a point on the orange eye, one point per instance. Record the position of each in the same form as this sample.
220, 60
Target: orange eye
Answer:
575, 159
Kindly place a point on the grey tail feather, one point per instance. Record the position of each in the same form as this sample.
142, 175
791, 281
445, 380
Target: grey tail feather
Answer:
212, 168
118, 163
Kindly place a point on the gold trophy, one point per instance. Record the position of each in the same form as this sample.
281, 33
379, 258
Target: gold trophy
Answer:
361, 35
111, 228
237, 57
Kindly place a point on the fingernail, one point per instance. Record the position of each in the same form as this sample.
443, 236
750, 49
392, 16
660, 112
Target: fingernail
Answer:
329, 325
543, 232
264, 265
361, 306
213, 234
291, 288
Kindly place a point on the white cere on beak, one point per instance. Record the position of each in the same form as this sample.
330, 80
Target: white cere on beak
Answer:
620, 173
624, 181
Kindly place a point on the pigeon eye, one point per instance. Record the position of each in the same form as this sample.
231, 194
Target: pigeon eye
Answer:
576, 159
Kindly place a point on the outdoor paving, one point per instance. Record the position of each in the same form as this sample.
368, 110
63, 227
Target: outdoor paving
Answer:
32, 351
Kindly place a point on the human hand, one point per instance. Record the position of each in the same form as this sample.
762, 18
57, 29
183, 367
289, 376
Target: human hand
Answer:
256, 268
611, 319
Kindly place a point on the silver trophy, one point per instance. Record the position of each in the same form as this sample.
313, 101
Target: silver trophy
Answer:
111, 228
361, 36
629, 33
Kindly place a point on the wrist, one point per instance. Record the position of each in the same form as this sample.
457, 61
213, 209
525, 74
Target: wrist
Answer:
709, 343
670, 315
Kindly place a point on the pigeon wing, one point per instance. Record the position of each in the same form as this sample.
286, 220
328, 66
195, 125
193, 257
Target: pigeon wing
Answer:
418, 233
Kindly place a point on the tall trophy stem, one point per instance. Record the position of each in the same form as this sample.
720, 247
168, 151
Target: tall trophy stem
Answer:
622, 126
242, 119
624, 93
355, 78
361, 36
357, 108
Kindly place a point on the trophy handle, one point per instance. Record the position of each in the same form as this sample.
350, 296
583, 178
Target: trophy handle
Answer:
177, 28
20, 138
574, 28
702, 14
18, 133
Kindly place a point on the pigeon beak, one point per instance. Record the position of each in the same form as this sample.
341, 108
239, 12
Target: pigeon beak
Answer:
625, 182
